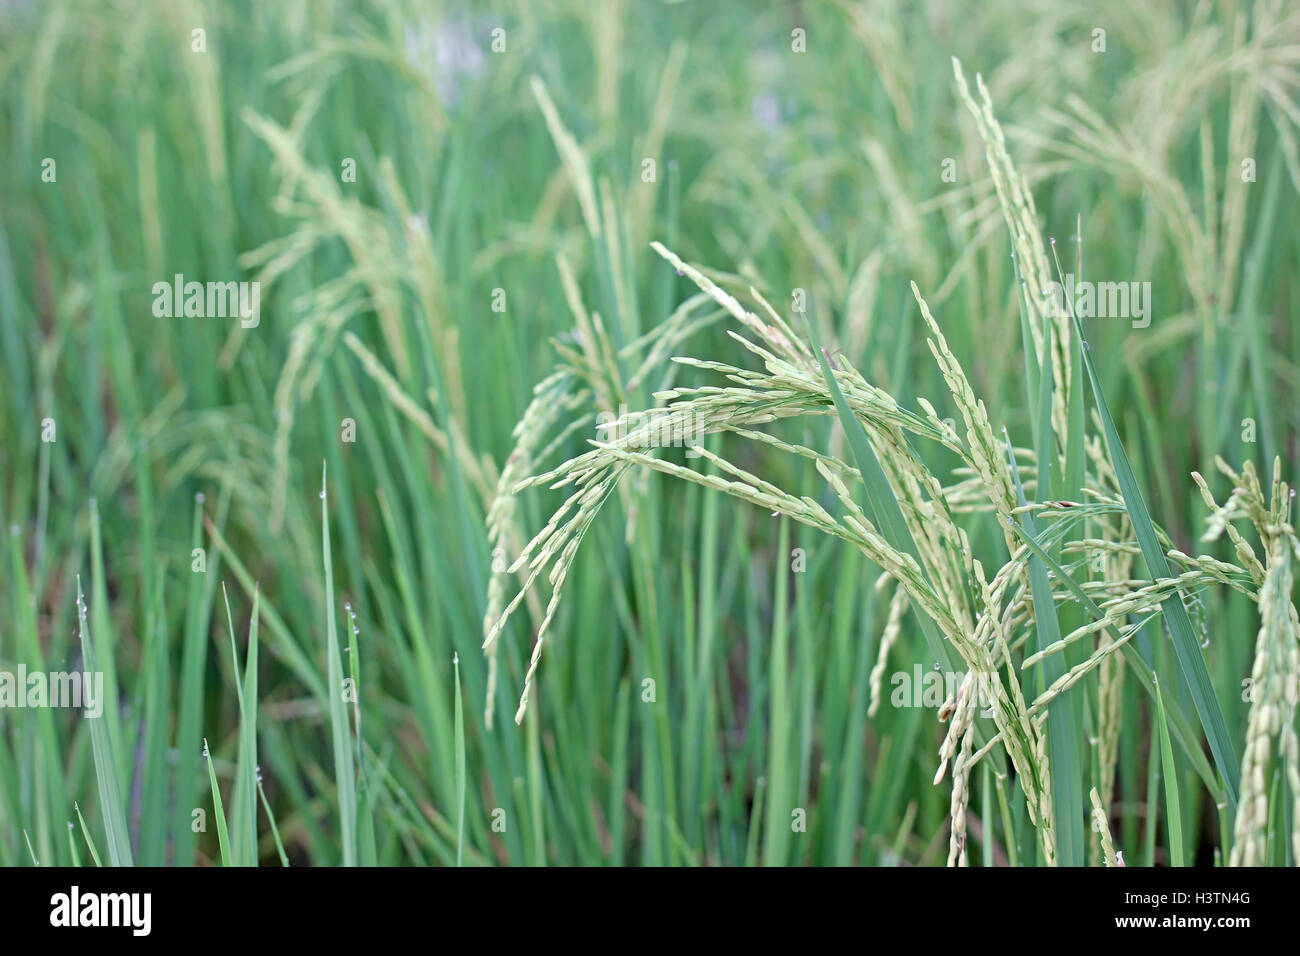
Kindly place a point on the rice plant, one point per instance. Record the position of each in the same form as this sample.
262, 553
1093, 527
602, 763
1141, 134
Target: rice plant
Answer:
1003, 625
665, 434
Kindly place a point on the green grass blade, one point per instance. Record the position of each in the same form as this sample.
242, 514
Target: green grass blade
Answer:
1182, 728
244, 815
201, 594
460, 767
72, 845
780, 786
248, 728
344, 779
112, 808
85, 832
882, 505
153, 767
1173, 806
1186, 647
1062, 720
275, 830
218, 811
755, 822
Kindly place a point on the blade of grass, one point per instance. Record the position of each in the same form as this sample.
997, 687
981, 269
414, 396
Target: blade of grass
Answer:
343, 769
112, 809
275, 830
882, 505
1181, 726
755, 822
1173, 806
153, 767
248, 729
1062, 721
103, 643
218, 811
200, 598
1186, 647
72, 844
459, 734
780, 786
85, 832
244, 838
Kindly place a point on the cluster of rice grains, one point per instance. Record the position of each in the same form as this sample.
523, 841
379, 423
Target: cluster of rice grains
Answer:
1275, 678
983, 624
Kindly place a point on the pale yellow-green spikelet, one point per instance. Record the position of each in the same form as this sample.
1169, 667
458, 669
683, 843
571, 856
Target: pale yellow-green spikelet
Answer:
1101, 826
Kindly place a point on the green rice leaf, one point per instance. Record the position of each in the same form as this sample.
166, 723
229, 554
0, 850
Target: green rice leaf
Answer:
1186, 647
112, 807
1173, 806
882, 505
218, 810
